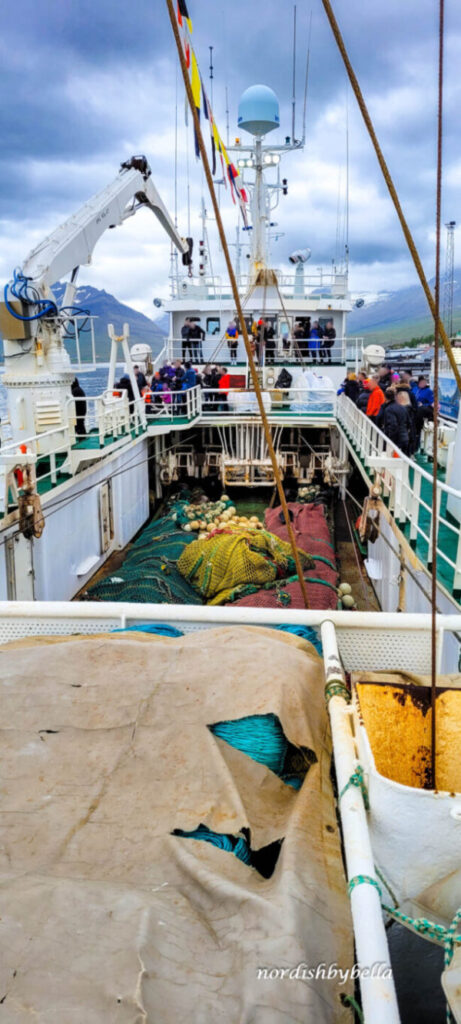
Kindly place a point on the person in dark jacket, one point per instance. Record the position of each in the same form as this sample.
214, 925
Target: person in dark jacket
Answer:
329, 335
403, 398
395, 422
80, 407
270, 343
140, 378
385, 376
364, 394
405, 385
196, 336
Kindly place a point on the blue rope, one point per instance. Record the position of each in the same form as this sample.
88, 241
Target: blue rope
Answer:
232, 844
261, 737
306, 632
160, 629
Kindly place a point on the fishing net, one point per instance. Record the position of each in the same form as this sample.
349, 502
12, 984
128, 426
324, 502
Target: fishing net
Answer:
232, 558
148, 574
311, 531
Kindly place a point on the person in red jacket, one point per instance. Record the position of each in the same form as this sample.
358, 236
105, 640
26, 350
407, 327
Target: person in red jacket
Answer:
376, 398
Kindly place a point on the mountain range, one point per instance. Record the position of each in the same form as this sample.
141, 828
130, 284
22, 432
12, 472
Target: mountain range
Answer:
393, 318
397, 317
108, 310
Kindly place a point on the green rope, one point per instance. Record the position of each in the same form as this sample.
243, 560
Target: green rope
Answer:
358, 780
336, 689
321, 558
386, 884
355, 1006
444, 936
362, 880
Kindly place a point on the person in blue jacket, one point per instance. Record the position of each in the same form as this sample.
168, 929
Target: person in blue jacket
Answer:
315, 339
425, 406
423, 393
190, 377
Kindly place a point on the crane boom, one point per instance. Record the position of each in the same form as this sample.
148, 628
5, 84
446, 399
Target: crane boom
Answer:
72, 243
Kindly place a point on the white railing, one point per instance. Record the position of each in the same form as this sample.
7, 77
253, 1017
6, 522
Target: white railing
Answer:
407, 488
317, 284
215, 350
237, 402
173, 404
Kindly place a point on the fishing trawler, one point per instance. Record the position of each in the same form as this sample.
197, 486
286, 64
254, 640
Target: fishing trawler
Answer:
123, 543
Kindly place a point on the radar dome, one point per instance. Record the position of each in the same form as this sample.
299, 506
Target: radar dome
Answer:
259, 111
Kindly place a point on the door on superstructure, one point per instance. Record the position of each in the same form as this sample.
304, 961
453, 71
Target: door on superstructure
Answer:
19, 568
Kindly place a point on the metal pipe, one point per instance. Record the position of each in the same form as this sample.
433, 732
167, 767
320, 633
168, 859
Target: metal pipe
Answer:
379, 1000
204, 614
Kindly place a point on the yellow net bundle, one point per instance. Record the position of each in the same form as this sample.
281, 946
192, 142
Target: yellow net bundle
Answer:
221, 566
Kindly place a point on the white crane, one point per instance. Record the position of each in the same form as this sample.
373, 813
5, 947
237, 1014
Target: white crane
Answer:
38, 372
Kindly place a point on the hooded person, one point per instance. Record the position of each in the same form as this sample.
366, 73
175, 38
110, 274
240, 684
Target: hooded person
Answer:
352, 387
376, 398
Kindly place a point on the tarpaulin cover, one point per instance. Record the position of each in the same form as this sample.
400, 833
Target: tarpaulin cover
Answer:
311, 534
106, 916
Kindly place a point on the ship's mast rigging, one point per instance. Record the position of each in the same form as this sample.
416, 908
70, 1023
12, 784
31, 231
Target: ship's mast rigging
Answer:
447, 313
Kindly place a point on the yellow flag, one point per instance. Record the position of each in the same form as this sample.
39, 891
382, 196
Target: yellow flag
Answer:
195, 80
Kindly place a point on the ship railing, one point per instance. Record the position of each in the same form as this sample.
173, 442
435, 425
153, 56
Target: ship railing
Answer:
108, 417
220, 403
50, 450
327, 284
173, 405
215, 351
407, 490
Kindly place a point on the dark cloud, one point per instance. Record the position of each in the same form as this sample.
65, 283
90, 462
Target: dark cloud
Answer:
88, 81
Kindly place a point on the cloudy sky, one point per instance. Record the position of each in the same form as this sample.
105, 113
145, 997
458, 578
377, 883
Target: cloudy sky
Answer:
87, 84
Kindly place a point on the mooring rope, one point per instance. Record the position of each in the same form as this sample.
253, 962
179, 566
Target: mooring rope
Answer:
236, 295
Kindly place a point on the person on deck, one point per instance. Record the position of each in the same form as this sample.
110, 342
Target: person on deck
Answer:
395, 422
405, 385
80, 407
190, 377
185, 335
315, 340
352, 387
376, 398
425, 405
329, 335
140, 378
196, 336
385, 376
270, 343
232, 338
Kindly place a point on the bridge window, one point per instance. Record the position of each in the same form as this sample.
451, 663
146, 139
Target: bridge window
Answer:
213, 325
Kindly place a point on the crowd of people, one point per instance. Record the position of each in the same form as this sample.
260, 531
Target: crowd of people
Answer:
397, 403
167, 385
310, 341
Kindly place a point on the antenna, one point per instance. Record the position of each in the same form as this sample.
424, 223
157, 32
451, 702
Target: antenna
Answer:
306, 80
293, 101
447, 315
227, 117
211, 74
347, 177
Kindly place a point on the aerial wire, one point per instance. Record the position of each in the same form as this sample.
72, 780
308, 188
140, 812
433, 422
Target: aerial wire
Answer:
293, 93
238, 305
391, 187
306, 78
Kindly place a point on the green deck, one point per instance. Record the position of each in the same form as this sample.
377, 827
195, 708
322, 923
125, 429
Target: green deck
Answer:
447, 540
